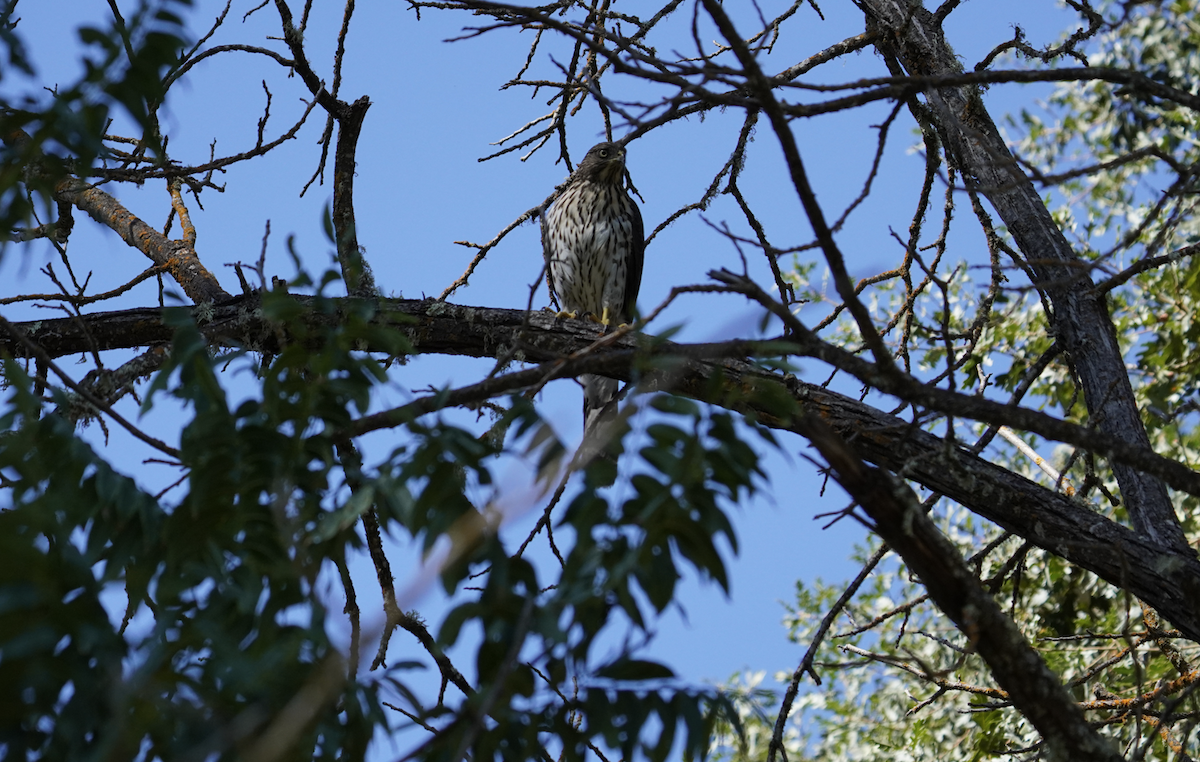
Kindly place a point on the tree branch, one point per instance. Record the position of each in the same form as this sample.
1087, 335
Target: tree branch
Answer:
1165, 578
1080, 318
899, 519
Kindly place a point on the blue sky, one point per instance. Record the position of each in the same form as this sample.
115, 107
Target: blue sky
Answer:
437, 107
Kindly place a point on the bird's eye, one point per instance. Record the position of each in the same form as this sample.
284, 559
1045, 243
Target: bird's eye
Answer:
603, 153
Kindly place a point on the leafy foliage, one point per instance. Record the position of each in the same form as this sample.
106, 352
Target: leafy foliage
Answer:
230, 572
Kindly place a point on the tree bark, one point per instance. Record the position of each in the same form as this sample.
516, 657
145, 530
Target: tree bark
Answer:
357, 276
1079, 316
178, 257
902, 523
1167, 579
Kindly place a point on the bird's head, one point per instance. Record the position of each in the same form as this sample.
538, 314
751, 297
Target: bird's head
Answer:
604, 163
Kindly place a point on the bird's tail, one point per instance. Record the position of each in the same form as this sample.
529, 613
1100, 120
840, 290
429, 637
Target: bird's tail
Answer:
599, 411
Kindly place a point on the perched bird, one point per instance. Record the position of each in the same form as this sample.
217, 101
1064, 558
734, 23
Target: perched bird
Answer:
592, 239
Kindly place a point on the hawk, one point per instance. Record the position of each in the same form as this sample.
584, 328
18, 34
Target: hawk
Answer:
592, 239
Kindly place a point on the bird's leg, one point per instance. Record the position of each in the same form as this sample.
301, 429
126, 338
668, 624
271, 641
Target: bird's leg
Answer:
564, 314
606, 319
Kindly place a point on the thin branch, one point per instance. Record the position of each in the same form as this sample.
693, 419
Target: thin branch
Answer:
14, 332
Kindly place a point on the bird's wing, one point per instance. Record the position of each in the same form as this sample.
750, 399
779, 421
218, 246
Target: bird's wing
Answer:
633, 273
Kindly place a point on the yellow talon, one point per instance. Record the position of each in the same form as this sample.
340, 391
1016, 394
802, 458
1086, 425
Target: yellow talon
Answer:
564, 314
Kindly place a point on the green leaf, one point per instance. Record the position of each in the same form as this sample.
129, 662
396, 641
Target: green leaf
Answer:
635, 669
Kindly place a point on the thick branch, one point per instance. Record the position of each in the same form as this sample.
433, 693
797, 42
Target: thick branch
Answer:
176, 257
899, 519
1080, 318
356, 274
1167, 579
349, 117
